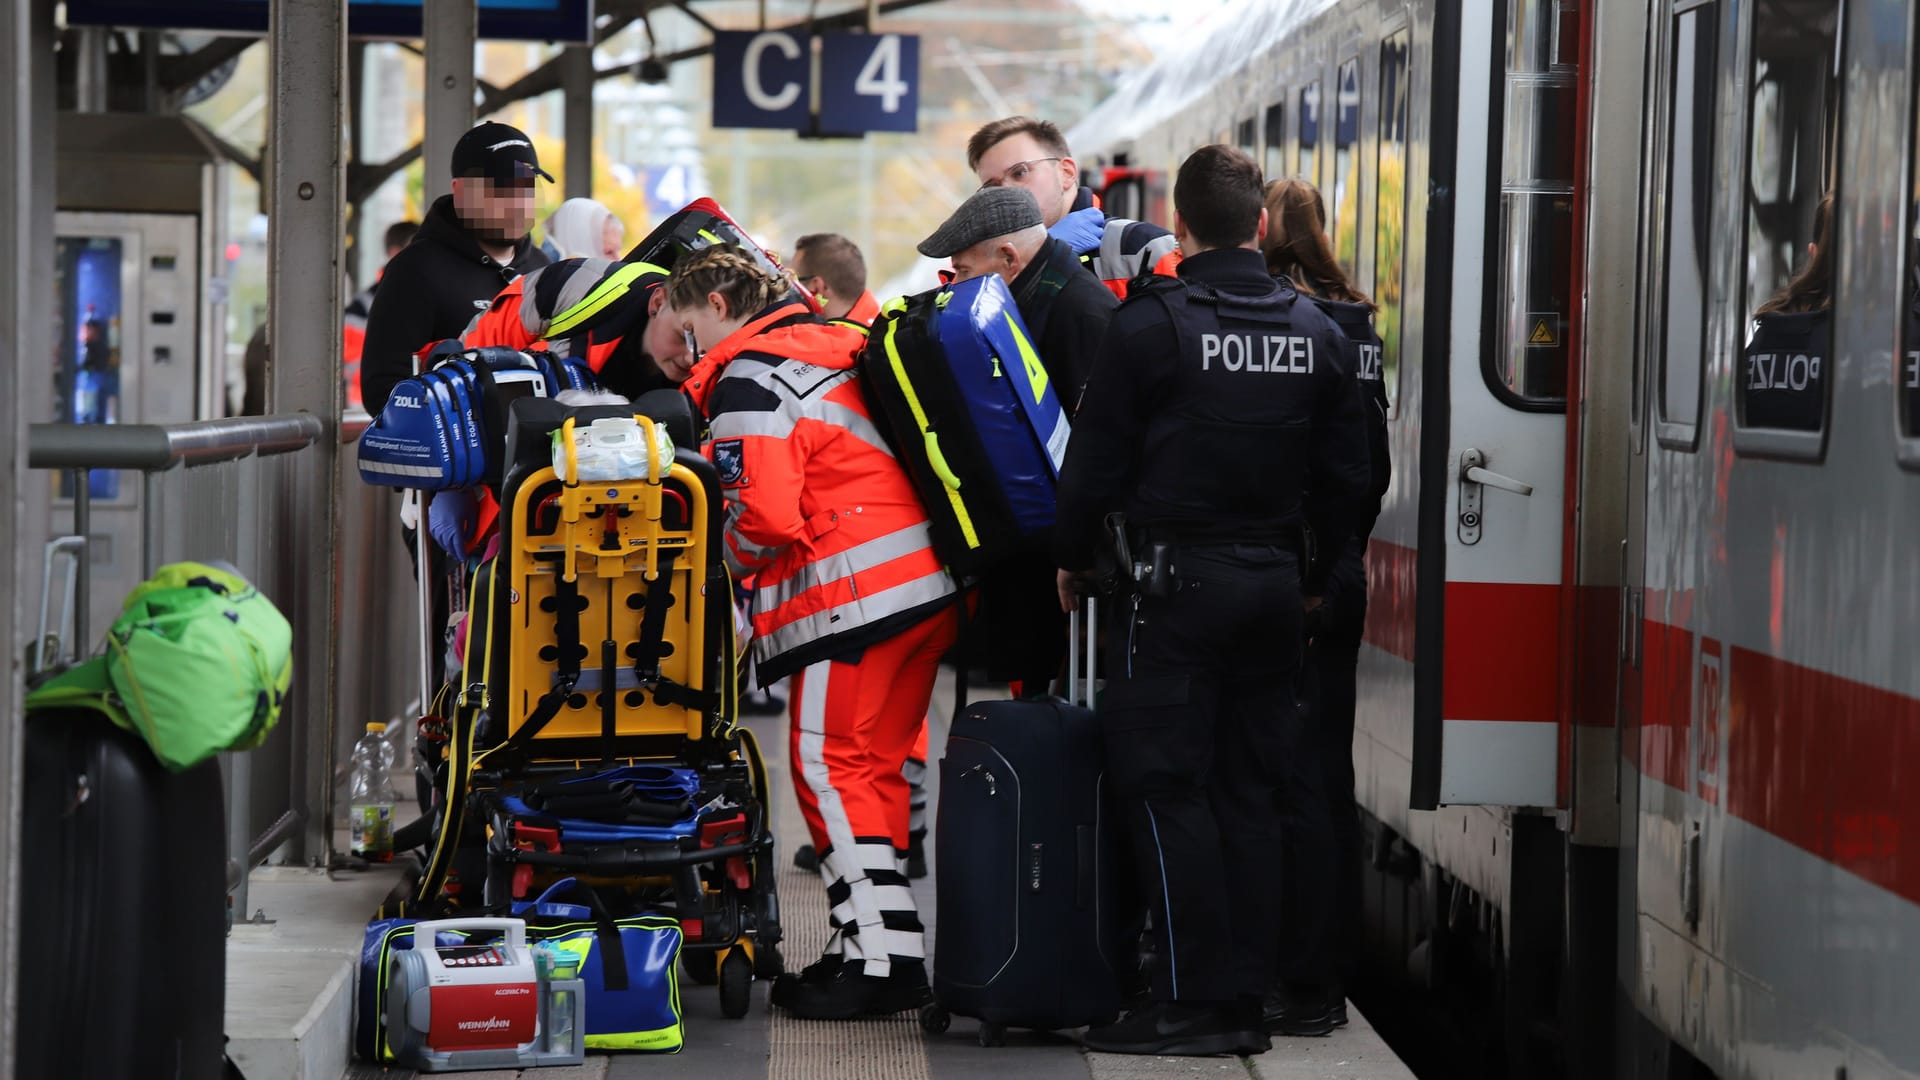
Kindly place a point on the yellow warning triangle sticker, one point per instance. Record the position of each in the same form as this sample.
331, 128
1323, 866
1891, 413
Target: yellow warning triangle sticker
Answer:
1542, 334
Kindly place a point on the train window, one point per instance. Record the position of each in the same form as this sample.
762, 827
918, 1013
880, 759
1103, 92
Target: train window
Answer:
1310, 132
1689, 221
1780, 385
1246, 136
1274, 162
1528, 365
1390, 220
1346, 188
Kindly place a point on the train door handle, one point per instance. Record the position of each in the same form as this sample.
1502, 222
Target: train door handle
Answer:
1475, 478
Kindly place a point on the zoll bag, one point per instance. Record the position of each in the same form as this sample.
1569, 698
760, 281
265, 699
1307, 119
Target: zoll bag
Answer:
965, 399
446, 427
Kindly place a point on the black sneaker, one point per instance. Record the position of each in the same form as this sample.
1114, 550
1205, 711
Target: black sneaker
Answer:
1299, 1014
917, 855
805, 857
849, 992
822, 970
1170, 1028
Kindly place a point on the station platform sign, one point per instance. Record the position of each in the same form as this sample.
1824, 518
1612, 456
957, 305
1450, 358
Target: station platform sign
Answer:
569, 21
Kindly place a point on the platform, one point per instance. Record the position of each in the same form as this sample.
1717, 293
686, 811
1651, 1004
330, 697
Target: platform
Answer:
290, 997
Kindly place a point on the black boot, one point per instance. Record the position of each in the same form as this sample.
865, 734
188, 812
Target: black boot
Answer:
844, 991
917, 855
805, 857
1302, 1011
1172, 1028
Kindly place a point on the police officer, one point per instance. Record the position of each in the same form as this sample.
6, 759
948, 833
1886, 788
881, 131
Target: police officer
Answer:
1223, 422
1320, 909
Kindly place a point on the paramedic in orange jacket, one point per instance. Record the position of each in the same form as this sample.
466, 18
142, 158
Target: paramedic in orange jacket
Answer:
850, 601
831, 267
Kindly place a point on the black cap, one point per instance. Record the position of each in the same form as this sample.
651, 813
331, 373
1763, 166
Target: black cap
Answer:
497, 152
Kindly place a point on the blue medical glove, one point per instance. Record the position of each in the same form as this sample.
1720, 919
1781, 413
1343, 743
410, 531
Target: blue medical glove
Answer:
451, 517
1081, 229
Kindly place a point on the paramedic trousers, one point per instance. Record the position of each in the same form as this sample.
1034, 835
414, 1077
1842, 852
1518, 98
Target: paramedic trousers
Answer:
854, 721
1320, 821
1199, 721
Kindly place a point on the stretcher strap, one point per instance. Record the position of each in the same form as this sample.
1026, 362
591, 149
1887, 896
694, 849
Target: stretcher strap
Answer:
566, 625
651, 648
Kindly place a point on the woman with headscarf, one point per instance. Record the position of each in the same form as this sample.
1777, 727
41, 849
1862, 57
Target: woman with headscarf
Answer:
584, 229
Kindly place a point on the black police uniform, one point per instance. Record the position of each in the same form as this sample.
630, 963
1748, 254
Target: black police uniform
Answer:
1782, 378
1319, 926
1223, 420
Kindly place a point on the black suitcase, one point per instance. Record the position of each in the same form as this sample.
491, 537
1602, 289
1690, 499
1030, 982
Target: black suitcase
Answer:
123, 898
1030, 926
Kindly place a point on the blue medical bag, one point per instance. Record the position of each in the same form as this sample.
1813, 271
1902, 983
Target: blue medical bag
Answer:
955, 381
446, 427
632, 994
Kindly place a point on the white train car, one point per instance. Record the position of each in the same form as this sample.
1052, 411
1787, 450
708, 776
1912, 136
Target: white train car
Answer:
1634, 704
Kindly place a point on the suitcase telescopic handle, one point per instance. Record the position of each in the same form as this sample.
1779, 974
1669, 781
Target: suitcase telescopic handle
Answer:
1083, 651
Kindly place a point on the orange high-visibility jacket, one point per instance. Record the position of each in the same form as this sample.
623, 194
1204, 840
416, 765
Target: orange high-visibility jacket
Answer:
575, 307
818, 510
1131, 248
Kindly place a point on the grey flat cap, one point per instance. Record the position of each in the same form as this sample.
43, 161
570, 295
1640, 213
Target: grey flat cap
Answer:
987, 213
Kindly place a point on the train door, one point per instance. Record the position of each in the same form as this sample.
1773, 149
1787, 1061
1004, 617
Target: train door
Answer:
1487, 680
126, 351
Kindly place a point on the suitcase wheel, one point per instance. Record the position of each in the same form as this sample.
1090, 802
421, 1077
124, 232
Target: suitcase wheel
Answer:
992, 1034
935, 1020
736, 983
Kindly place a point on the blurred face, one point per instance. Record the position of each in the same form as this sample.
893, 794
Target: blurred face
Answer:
1020, 161
997, 256
497, 211
613, 237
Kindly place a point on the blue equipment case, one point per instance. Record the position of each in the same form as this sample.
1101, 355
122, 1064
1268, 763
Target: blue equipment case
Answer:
957, 384
446, 427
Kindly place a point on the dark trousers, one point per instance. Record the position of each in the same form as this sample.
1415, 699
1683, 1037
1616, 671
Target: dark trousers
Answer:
1320, 822
1199, 719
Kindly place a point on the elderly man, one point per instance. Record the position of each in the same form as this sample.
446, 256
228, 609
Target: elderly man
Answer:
1000, 230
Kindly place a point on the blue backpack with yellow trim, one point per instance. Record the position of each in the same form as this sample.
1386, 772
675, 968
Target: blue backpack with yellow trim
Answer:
954, 380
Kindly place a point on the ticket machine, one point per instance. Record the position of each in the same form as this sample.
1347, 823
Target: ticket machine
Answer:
139, 335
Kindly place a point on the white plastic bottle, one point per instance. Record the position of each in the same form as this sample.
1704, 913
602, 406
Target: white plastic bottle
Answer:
370, 795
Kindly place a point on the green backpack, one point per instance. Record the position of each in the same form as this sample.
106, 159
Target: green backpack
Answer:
197, 663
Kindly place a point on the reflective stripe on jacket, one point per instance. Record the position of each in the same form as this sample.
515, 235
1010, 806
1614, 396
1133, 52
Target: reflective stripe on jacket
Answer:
1131, 248
818, 510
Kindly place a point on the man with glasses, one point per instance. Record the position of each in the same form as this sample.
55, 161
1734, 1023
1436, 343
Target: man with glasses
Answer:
472, 244
1023, 152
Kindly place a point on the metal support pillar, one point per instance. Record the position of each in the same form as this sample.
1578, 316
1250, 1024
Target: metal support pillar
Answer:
576, 77
451, 26
304, 262
26, 295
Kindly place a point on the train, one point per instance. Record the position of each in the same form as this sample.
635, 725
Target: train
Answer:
1635, 701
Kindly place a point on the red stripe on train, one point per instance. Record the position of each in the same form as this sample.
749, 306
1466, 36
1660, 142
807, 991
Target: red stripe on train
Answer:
1503, 653
1813, 758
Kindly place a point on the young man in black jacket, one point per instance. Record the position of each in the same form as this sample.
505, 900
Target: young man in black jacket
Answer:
472, 244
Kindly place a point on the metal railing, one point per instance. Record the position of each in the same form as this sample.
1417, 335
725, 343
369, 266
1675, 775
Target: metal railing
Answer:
207, 494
